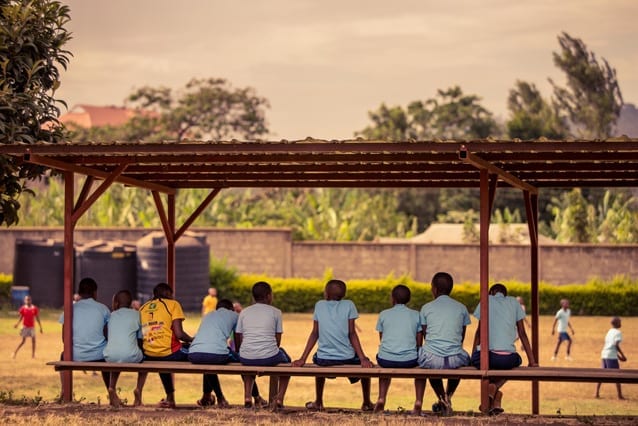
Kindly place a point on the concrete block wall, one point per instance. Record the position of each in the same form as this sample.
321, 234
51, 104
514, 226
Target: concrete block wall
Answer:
272, 252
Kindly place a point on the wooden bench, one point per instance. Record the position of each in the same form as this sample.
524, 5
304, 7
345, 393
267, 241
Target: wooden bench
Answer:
547, 374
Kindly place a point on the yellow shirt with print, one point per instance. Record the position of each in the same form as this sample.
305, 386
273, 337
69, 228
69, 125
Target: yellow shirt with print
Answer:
157, 317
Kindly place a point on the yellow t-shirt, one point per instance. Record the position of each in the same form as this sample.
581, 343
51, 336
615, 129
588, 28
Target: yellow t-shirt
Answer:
209, 304
157, 317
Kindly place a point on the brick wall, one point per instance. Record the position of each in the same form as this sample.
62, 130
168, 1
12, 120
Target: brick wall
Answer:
272, 252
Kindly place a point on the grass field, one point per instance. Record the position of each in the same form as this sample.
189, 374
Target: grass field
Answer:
30, 379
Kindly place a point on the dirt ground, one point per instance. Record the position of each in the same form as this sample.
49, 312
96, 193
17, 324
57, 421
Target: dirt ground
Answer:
93, 414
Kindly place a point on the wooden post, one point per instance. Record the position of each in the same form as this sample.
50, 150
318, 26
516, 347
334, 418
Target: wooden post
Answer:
484, 281
67, 327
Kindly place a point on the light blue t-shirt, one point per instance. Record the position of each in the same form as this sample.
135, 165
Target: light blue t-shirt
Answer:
444, 319
505, 312
332, 317
124, 330
399, 326
89, 319
214, 332
258, 325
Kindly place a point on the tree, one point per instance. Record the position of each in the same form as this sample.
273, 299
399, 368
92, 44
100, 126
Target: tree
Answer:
592, 99
205, 109
575, 219
32, 39
532, 116
388, 124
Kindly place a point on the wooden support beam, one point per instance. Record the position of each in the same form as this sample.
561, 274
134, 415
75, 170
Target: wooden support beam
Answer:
481, 164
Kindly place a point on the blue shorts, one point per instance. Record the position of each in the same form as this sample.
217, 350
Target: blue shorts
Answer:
562, 336
385, 363
430, 360
610, 363
498, 361
322, 362
280, 357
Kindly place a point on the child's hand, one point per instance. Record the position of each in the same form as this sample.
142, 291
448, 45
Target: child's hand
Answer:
621, 357
298, 363
366, 363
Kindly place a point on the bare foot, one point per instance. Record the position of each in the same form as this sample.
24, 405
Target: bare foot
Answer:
113, 398
417, 408
138, 398
379, 406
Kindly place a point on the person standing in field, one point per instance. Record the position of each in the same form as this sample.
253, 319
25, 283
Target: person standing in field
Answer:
562, 319
209, 304
612, 353
29, 314
124, 344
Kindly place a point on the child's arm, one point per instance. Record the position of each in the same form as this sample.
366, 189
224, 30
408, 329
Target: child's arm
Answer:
19, 321
569, 324
179, 331
278, 339
554, 325
419, 339
37, 317
238, 341
312, 339
354, 341
522, 334
477, 337
621, 355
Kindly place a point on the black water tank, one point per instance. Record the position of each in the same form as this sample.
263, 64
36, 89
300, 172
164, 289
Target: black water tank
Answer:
39, 264
192, 258
112, 264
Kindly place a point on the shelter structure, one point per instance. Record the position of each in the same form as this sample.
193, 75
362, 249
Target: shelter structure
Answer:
165, 168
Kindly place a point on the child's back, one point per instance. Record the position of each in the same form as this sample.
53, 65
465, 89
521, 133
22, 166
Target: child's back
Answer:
333, 318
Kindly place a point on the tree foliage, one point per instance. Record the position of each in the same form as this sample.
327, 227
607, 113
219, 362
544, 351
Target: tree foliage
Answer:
451, 114
592, 99
532, 116
32, 39
207, 108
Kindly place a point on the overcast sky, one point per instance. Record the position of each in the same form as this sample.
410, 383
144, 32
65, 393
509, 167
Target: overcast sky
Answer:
324, 64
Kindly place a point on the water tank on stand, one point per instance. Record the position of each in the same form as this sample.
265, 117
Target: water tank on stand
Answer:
192, 259
39, 265
112, 264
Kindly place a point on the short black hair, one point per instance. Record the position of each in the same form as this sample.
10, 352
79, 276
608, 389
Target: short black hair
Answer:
124, 298
225, 304
87, 287
498, 288
401, 294
261, 290
443, 282
162, 291
336, 289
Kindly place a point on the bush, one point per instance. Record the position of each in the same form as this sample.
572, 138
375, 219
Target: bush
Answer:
222, 276
618, 296
6, 281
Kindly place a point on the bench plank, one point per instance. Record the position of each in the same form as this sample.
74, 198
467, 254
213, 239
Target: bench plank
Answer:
553, 374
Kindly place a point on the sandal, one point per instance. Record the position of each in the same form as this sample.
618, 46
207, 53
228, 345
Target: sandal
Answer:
206, 402
248, 403
313, 406
367, 406
166, 404
260, 402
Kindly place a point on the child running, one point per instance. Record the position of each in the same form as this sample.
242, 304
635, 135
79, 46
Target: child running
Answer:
400, 332
29, 314
124, 343
562, 318
338, 343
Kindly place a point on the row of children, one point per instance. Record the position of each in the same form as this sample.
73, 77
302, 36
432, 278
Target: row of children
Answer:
431, 338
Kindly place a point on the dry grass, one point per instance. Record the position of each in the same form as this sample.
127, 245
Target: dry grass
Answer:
31, 380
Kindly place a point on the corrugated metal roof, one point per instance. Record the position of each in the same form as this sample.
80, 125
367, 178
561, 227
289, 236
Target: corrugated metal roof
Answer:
345, 163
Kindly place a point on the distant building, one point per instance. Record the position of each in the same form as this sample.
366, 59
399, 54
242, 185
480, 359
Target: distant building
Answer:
87, 116
453, 233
